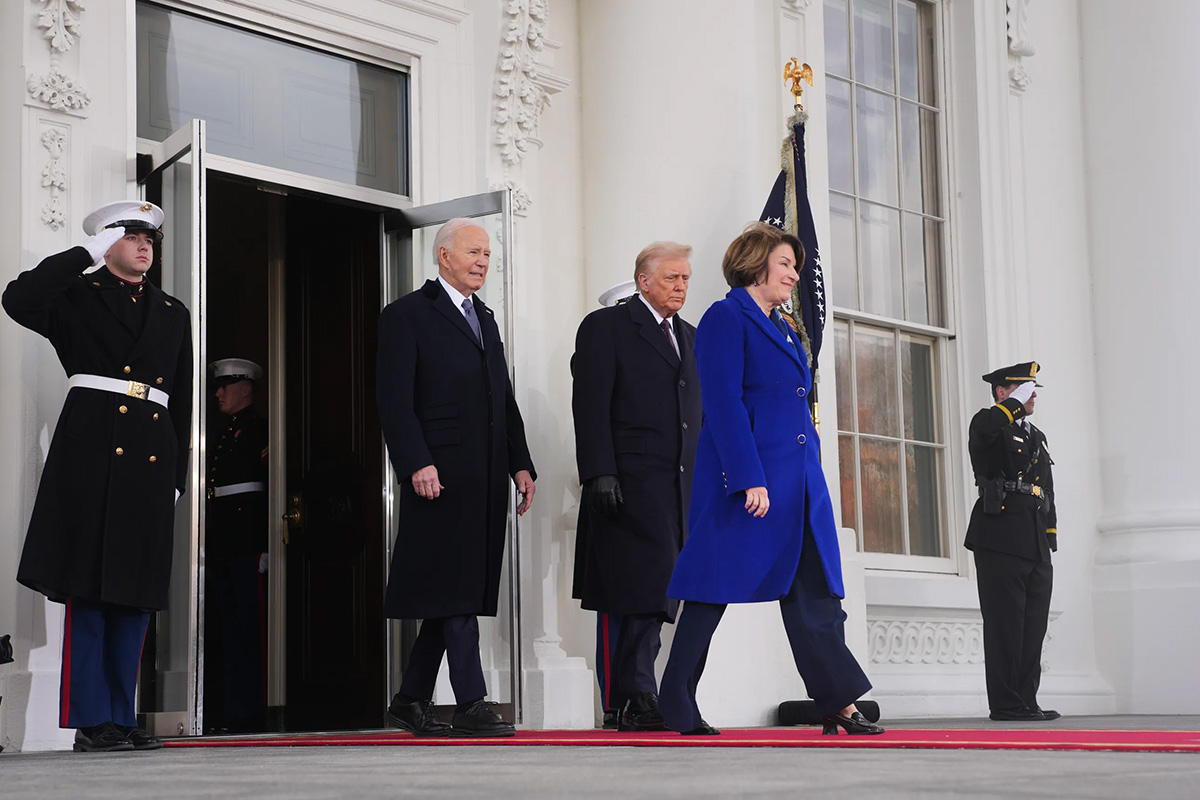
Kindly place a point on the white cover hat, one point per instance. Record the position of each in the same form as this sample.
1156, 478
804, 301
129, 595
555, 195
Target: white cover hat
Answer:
130, 214
613, 294
232, 370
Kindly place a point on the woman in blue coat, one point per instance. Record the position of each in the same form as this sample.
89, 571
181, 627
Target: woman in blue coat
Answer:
761, 525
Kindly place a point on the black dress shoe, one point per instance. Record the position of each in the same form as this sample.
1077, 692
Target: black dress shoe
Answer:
641, 714
611, 720
416, 717
480, 720
1020, 715
104, 738
140, 738
1047, 713
704, 729
855, 724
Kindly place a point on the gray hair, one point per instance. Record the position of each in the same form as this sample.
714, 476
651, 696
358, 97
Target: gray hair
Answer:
647, 261
445, 235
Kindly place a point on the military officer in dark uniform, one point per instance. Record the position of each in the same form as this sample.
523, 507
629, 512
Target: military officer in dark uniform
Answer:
100, 535
636, 405
1012, 532
235, 554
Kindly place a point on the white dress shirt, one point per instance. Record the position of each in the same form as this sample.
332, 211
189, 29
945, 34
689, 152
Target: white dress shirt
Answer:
456, 296
658, 319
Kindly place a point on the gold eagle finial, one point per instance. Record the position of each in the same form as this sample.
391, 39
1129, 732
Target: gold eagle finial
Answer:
796, 73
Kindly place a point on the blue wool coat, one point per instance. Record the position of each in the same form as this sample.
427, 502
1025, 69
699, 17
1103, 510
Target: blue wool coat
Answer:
757, 432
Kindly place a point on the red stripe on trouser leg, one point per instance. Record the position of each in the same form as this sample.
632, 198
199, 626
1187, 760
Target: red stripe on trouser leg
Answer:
64, 687
607, 665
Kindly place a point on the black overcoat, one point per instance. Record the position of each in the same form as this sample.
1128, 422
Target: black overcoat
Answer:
101, 527
637, 415
237, 523
446, 401
1000, 447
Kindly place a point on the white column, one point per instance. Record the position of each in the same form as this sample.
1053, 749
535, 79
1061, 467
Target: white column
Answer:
1141, 133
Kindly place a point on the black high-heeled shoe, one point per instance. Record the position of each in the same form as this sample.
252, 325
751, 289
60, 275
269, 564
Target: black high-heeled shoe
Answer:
855, 724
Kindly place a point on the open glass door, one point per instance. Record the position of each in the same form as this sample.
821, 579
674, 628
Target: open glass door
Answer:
172, 175
409, 262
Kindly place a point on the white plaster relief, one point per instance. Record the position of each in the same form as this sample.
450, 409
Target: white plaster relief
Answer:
913, 642
54, 178
60, 23
1019, 45
521, 201
797, 5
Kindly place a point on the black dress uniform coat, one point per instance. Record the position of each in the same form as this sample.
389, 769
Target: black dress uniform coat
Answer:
101, 527
637, 416
1002, 449
237, 523
445, 400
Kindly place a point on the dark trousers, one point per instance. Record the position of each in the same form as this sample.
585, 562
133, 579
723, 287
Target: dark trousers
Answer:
638, 644
458, 639
102, 650
608, 630
235, 642
1014, 599
814, 622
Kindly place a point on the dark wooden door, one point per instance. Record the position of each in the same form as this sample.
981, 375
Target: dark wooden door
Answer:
336, 669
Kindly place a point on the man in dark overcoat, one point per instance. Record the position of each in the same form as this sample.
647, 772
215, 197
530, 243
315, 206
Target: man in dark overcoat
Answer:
454, 437
636, 404
1012, 531
100, 535
235, 554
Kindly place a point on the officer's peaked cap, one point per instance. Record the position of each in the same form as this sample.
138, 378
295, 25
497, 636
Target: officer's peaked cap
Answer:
132, 215
232, 370
1017, 373
615, 295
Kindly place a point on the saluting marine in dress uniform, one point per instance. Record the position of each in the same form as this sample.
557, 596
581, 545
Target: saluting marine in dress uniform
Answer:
235, 554
1012, 531
100, 535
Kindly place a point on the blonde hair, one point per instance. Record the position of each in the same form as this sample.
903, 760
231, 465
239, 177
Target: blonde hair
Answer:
652, 254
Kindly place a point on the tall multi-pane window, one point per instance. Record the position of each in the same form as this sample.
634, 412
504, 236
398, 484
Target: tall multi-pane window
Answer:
888, 232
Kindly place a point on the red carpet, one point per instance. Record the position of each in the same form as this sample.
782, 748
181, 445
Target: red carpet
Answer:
962, 739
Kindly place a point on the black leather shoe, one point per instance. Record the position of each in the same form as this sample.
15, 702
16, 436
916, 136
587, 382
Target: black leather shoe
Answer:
140, 738
855, 724
1021, 715
704, 729
1047, 713
611, 720
104, 738
480, 720
641, 714
416, 717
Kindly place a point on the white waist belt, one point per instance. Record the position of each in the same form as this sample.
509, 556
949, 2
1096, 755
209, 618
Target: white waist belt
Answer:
237, 488
116, 386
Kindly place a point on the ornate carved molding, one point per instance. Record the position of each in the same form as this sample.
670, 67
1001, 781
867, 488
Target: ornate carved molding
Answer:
54, 177
520, 99
797, 5
915, 642
521, 201
60, 23
1019, 46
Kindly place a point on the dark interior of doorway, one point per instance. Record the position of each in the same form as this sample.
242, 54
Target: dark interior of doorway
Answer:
336, 639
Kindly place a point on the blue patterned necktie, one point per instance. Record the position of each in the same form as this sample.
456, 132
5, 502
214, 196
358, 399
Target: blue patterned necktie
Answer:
469, 310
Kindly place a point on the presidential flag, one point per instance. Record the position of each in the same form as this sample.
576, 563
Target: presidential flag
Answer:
788, 208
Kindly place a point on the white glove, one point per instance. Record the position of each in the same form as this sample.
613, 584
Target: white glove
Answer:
98, 245
177, 496
1023, 392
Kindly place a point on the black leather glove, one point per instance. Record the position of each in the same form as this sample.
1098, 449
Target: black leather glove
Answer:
603, 495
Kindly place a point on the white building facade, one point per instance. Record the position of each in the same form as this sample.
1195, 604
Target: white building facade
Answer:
992, 182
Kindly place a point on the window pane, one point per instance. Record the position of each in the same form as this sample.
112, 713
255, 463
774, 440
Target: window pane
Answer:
916, 377
873, 43
879, 229
837, 127
882, 506
924, 510
845, 258
848, 479
914, 269
841, 367
933, 270
915, 32
919, 159
875, 375
837, 38
875, 116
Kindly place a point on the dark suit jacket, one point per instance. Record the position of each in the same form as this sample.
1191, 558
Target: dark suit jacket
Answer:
637, 416
447, 401
1001, 448
102, 525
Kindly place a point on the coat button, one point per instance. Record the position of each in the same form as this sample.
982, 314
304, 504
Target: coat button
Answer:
153, 459
123, 409
127, 370
156, 415
681, 467
685, 426
682, 383
120, 451
800, 391
158, 380
168, 302
801, 439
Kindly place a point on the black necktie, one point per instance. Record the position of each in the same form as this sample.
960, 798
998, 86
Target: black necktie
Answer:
666, 329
